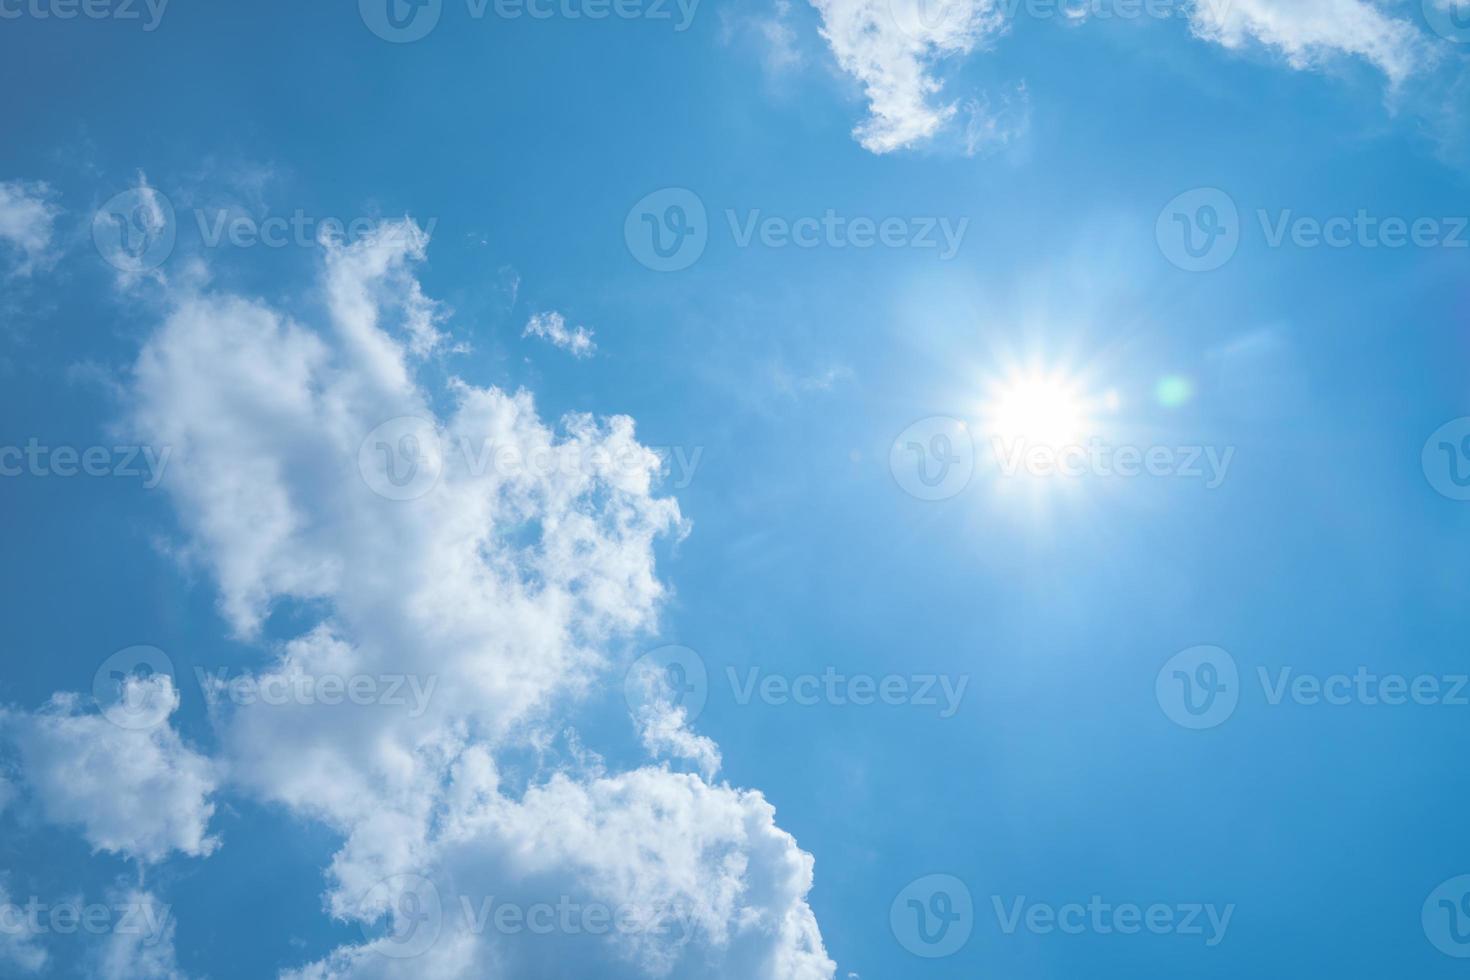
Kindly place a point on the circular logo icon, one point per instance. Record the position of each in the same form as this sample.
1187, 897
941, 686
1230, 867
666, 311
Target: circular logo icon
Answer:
1446, 459
933, 916
934, 458
135, 231
402, 458
134, 688
671, 675
1199, 688
667, 230
414, 916
1449, 19
401, 21
1199, 230
1446, 917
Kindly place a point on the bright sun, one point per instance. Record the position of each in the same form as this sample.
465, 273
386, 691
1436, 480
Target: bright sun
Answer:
1038, 409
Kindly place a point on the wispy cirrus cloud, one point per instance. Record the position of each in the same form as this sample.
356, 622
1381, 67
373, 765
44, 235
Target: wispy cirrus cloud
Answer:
28, 213
20, 948
552, 328
773, 34
144, 950
895, 49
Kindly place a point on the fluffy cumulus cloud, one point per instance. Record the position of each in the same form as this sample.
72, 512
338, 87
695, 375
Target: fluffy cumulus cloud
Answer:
468, 566
892, 48
138, 792
1305, 31
641, 874
28, 216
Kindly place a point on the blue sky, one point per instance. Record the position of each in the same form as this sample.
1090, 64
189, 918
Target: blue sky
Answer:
1003, 524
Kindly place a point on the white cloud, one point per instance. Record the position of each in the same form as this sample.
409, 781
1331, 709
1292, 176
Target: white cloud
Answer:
140, 793
793, 383
19, 947
780, 51
894, 48
141, 945
135, 232
663, 726
1306, 31
991, 126
694, 880
423, 554
773, 35
27, 224
891, 47
552, 327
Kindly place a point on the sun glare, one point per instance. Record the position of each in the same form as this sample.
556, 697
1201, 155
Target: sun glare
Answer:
1038, 409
